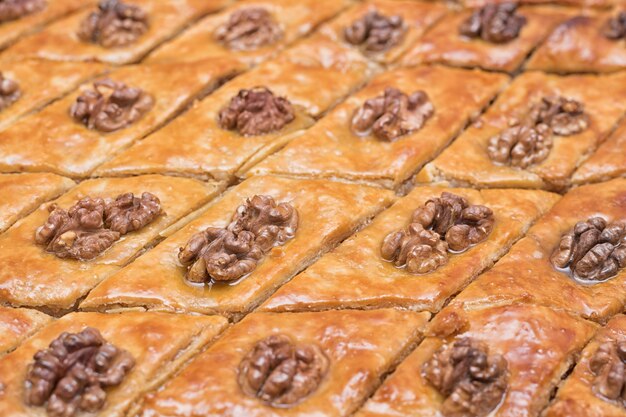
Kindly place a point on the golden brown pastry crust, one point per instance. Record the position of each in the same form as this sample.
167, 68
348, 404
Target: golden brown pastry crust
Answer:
538, 343
360, 345
418, 17
60, 42
328, 213
22, 193
296, 19
331, 150
444, 45
356, 276
29, 276
314, 75
526, 275
17, 324
575, 397
159, 343
577, 45
609, 161
59, 144
41, 82
466, 161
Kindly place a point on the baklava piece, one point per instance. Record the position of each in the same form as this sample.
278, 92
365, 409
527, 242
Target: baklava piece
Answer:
535, 134
251, 31
99, 364
584, 43
77, 133
498, 36
383, 29
23, 193
251, 116
418, 253
16, 325
114, 31
390, 128
54, 256
573, 258
609, 161
596, 386
496, 362
252, 240
292, 364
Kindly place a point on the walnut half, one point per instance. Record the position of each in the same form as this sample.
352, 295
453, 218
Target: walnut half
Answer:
495, 23
521, 145
114, 24
615, 27
280, 372
248, 29
375, 32
9, 91
608, 364
15, 9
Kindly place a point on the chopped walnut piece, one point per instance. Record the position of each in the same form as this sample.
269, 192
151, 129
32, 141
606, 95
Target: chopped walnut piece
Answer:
608, 364
495, 23
248, 29
280, 372
111, 106
71, 375
393, 114
256, 112
226, 254
375, 32
9, 91
92, 225
521, 145
447, 223
15, 9
114, 24
592, 250
615, 27
564, 116
472, 381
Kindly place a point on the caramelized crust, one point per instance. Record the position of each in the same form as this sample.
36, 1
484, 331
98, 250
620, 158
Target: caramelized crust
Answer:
538, 344
609, 161
328, 212
466, 161
158, 342
60, 42
526, 275
30, 276
356, 276
360, 346
17, 324
330, 149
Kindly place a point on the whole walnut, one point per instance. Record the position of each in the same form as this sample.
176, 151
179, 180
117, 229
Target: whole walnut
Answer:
111, 106
280, 372
615, 27
471, 380
393, 114
495, 23
114, 24
608, 364
593, 250
15, 9
72, 374
248, 29
375, 32
9, 91
521, 145
563, 115
256, 112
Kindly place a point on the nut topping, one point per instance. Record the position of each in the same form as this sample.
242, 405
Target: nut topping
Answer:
226, 254
92, 225
472, 381
615, 27
282, 373
256, 112
248, 29
495, 23
73, 373
15, 9
521, 145
564, 116
608, 364
9, 91
375, 32
393, 114
114, 24
592, 250
450, 217
111, 106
